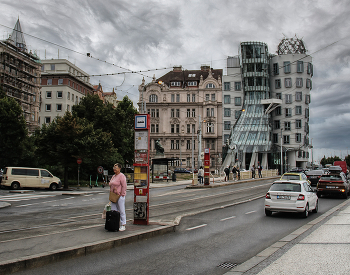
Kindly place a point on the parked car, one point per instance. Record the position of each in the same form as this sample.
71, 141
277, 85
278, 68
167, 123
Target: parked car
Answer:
195, 170
314, 176
291, 196
334, 183
22, 177
294, 176
181, 170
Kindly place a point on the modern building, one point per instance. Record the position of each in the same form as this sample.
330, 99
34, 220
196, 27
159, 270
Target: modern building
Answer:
268, 114
20, 75
186, 114
62, 85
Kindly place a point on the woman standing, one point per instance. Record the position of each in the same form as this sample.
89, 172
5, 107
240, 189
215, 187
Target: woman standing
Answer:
118, 185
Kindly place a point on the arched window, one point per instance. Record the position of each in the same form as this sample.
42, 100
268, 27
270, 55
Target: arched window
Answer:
210, 86
153, 98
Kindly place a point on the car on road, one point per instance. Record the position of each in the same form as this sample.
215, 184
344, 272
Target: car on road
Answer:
195, 170
314, 176
291, 196
297, 169
181, 170
294, 176
334, 183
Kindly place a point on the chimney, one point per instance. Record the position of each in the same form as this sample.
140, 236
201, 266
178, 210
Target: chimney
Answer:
177, 68
205, 68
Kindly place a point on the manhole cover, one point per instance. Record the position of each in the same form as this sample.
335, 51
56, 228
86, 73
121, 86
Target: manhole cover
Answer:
227, 265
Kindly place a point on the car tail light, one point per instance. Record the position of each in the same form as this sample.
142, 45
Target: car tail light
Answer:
301, 197
6, 178
268, 196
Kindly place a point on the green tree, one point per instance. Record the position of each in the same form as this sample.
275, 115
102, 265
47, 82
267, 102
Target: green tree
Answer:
329, 160
67, 138
13, 131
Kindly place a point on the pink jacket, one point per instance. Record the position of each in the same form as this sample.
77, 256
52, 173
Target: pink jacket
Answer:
118, 182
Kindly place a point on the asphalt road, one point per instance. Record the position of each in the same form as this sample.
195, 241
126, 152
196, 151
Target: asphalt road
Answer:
201, 242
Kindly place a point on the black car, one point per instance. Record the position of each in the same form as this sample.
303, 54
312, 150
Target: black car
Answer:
314, 176
181, 170
297, 169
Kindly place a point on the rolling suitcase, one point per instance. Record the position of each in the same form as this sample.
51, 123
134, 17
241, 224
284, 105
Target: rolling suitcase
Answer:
112, 220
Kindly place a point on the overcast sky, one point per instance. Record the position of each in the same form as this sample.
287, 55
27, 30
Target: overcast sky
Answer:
154, 35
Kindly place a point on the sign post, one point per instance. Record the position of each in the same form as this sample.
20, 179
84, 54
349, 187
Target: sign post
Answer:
141, 169
79, 161
206, 166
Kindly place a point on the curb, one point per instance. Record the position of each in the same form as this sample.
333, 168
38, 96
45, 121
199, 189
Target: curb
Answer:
38, 260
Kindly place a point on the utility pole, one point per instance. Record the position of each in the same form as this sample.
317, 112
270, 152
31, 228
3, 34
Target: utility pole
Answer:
281, 154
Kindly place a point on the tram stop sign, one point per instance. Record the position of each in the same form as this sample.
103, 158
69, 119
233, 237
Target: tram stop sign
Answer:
100, 169
79, 160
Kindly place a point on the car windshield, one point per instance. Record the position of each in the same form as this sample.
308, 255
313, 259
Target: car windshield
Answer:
285, 186
290, 177
315, 172
331, 177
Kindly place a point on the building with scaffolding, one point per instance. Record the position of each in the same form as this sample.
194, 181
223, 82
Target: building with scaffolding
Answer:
20, 75
266, 106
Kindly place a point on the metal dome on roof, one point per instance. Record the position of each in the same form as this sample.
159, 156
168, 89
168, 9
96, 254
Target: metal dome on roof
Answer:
291, 46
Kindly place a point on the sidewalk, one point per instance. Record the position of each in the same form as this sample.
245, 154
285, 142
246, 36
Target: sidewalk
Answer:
319, 247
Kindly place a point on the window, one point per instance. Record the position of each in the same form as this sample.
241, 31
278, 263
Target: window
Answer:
188, 144
153, 128
207, 97
275, 138
193, 128
58, 107
208, 112
68, 108
177, 98
188, 113
297, 137
227, 125
276, 124
210, 86
153, 98
188, 98
288, 112
286, 140
68, 95
212, 112
237, 114
298, 96
309, 68
193, 112
288, 82
154, 113
227, 99
299, 82
298, 123
52, 67
59, 94
192, 83
193, 97
48, 94
308, 83
276, 69
300, 67
177, 145
227, 112
177, 128
72, 97
172, 113
227, 86
287, 125
288, 98
47, 119
48, 107
188, 128
172, 98
306, 112
286, 65
172, 146
298, 110
278, 111
60, 82
307, 99
172, 128
177, 112
175, 83
237, 86
212, 97
42, 68
191, 75
279, 95
49, 82
277, 83
238, 101
210, 127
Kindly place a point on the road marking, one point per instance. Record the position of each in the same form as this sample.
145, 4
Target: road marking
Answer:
250, 212
228, 218
199, 226
29, 204
23, 197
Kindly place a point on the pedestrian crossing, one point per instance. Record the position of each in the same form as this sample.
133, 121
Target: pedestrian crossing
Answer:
24, 197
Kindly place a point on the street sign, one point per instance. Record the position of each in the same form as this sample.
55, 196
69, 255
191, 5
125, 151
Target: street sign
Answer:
100, 169
79, 160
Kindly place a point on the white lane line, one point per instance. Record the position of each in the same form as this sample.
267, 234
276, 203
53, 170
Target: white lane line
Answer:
250, 212
24, 205
229, 218
199, 226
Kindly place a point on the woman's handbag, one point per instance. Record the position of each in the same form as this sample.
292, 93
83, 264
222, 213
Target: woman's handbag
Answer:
113, 197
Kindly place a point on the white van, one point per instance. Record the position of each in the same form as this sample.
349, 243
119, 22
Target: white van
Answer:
22, 177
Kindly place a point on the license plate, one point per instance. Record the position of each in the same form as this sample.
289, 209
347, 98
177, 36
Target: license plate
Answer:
330, 187
283, 197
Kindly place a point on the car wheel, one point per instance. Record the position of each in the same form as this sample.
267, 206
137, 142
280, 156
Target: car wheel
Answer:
305, 214
53, 186
268, 212
345, 195
319, 194
15, 185
316, 208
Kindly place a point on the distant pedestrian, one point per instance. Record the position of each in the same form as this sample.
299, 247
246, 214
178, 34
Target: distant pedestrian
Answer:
238, 173
234, 172
227, 173
253, 171
259, 171
200, 175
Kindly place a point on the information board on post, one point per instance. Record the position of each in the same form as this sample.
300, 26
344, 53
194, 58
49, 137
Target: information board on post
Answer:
141, 169
206, 166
